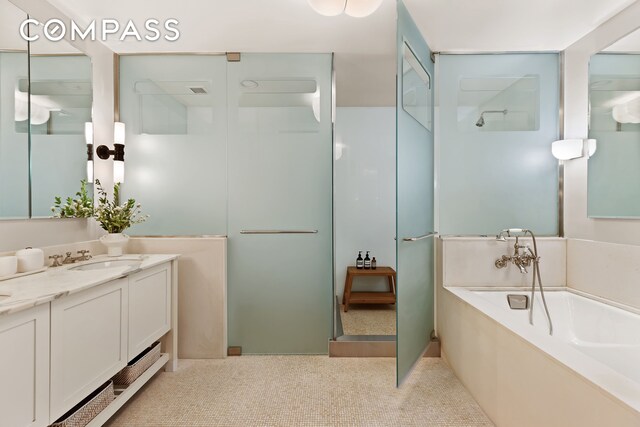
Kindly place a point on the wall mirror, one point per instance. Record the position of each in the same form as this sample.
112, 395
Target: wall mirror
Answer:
14, 141
61, 99
614, 121
46, 103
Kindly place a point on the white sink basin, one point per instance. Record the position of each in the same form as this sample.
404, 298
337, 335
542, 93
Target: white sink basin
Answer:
102, 265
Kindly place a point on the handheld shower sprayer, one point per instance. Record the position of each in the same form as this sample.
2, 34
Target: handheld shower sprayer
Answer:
502, 237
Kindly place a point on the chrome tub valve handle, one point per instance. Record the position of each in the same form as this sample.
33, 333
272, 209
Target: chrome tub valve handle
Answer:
502, 262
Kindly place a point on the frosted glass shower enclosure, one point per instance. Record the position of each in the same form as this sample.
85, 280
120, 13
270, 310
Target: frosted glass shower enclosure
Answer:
242, 149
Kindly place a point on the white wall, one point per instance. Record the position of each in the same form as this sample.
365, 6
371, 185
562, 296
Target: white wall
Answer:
365, 190
576, 101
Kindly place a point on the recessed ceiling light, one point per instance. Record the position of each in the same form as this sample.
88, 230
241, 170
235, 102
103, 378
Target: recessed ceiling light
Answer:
249, 84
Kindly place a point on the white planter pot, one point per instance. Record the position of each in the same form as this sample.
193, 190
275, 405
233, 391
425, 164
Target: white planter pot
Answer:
114, 242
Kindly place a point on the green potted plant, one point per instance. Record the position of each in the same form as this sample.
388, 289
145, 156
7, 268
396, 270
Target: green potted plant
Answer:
80, 207
115, 218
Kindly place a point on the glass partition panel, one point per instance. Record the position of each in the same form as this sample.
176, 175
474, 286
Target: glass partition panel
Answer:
14, 145
614, 168
174, 109
498, 118
280, 203
415, 198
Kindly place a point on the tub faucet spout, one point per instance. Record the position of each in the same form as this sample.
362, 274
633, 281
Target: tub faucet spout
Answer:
520, 266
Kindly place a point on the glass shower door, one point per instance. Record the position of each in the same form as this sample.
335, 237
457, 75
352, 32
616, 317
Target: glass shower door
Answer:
415, 197
280, 203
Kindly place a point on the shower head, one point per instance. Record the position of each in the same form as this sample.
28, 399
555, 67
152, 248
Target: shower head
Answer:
480, 121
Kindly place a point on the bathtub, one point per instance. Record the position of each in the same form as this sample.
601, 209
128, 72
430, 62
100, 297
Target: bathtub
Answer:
586, 373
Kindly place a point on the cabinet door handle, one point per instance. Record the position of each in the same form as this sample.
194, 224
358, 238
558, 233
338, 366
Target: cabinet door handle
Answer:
424, 236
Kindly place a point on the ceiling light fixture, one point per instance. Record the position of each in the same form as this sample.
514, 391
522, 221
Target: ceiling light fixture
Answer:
355, 8
249, 84
328, 7
361, 8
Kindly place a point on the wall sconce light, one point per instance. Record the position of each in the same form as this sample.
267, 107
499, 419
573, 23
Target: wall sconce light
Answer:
88, 137
568, 149
627, 112
118, 152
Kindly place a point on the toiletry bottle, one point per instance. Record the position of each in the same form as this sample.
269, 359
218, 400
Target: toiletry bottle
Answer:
359, 261
367, 261
373, 263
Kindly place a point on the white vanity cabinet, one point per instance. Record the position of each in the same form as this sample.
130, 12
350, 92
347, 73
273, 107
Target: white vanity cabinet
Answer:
88, 342
149, 307
60, 349
24, 368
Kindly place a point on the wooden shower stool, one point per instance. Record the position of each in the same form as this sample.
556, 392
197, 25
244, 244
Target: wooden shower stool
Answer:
369, 297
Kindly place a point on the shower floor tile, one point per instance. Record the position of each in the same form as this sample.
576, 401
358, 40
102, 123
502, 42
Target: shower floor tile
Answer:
369, 319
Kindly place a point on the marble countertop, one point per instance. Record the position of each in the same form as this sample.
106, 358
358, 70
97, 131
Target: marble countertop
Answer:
56, 282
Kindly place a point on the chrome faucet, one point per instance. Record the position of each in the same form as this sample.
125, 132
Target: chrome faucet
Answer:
84, 256
522, 261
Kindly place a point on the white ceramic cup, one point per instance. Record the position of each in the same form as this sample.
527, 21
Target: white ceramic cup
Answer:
8, 265
30, 259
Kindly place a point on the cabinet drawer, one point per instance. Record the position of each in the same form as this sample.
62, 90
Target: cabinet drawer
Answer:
24, 368
88, 342
149, 307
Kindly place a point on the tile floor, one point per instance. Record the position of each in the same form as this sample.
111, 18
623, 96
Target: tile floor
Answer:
369, 319
301, 391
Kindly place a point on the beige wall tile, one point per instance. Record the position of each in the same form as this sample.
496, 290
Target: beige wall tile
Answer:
471, 262
607, 270
202, 292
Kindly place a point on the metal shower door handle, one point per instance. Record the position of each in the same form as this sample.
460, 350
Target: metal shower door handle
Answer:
278, 231
424, 236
